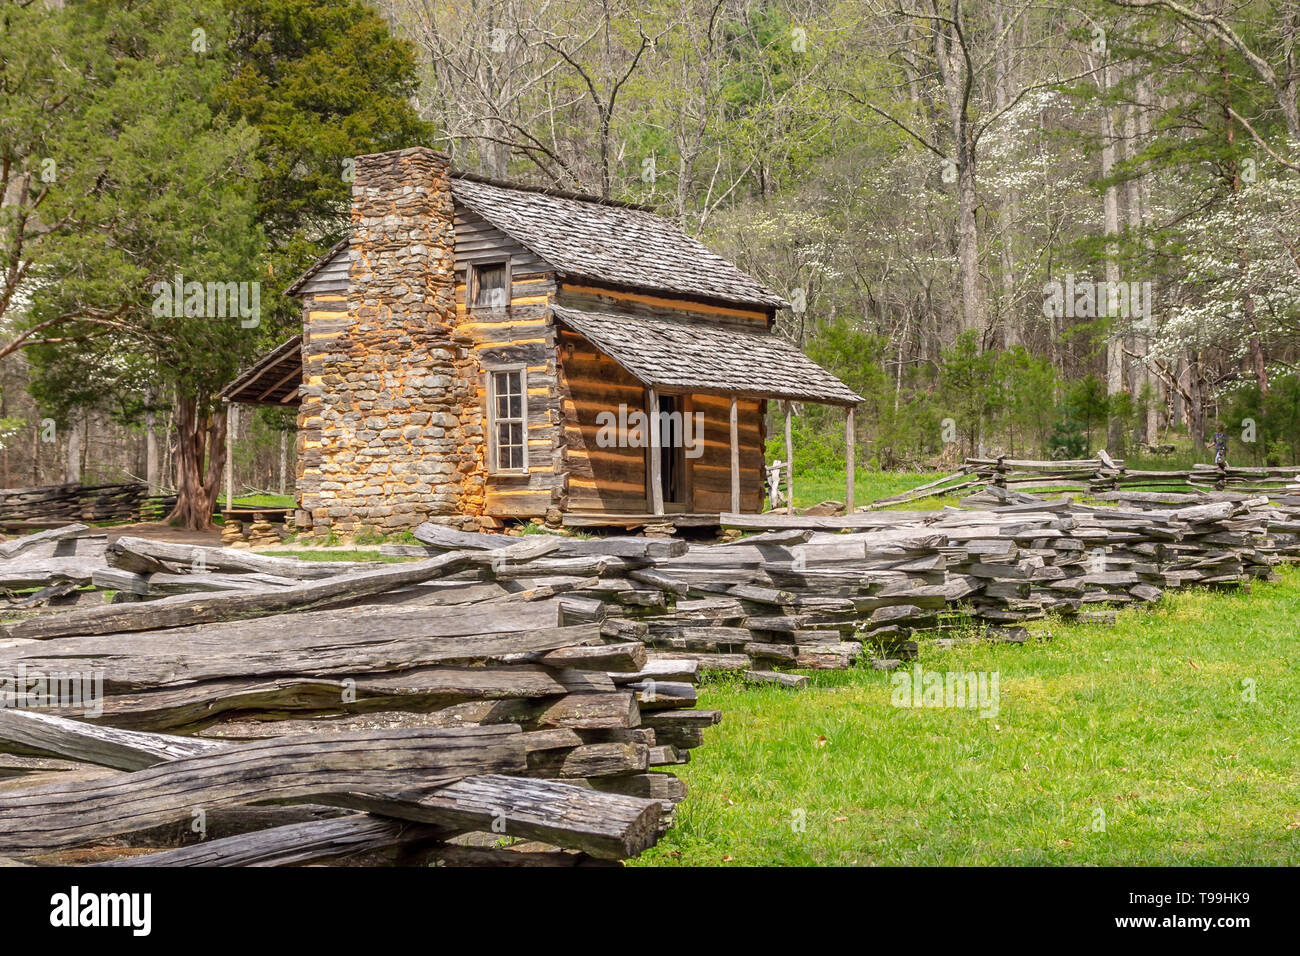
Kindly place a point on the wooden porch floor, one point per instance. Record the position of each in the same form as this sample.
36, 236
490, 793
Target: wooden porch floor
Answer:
621, 519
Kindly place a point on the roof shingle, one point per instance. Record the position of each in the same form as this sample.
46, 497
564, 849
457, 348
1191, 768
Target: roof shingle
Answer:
707, 358
616, 244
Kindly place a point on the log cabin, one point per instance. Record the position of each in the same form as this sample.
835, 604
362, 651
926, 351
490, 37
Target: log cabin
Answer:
476, 352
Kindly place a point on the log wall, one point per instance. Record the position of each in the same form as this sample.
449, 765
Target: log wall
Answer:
520, 334
710, 473
591, 298
596, 478
614, 479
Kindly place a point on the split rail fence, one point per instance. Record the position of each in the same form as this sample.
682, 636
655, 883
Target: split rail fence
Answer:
1094, 475
425, 712
54, 504
529, 688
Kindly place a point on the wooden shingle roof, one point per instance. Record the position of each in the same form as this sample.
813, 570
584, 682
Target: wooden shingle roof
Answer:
611, 243
707, 358
583, 238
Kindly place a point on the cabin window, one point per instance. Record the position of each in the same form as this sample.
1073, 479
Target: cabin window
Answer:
508, 414
491, 285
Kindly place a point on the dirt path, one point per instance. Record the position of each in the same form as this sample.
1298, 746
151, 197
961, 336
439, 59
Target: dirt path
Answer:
164, 532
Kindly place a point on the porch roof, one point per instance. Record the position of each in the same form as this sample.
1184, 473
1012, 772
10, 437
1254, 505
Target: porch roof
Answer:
272, 380
716, 359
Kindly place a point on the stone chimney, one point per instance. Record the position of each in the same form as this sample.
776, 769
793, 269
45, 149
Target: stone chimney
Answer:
394, 383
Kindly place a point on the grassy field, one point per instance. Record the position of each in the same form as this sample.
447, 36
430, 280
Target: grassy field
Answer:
260, 501
815, 485
343, 554
1125, 745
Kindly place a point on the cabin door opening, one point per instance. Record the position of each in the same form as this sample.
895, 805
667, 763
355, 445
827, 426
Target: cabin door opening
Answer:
672, 457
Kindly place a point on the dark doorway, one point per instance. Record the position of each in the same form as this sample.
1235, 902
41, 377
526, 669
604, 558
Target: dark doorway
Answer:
672, 444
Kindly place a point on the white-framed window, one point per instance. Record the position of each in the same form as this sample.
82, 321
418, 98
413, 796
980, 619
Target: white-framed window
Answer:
508, 419
489, 285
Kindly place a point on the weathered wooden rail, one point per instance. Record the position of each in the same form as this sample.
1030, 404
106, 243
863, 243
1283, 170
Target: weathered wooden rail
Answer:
49, 504
385, 730
814, 591
1093, 475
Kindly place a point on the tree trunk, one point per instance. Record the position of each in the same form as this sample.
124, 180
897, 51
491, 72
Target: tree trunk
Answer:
168, 469
972, 306
1177, 406
1196, 403
200, 461
152, 474
1258, 364
72, 450
952, 70
1010, 213
1137, 129
232, 429
1114, 338
4, 413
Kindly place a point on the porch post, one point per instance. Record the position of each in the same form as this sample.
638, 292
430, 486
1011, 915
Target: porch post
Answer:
789, 460
735, 457
848, 459
232, 422
656, 458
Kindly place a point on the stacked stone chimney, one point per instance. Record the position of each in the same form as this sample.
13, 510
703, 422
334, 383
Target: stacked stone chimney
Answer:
396, 418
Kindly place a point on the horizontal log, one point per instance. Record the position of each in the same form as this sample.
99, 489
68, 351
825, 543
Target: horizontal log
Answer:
31, 572
11, 549
444, 538
626, 657
148, 555
103, 746
184, 609
298, 844
159, 584
605, 825
328, 645
64, 815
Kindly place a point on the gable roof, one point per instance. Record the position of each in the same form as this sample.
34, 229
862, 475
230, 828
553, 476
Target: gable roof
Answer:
338, 251
612, 243
583, 237
707, 358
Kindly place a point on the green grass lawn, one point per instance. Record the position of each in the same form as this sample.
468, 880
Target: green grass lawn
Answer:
1144, 721
826, 483
340, 555
815, 485
260, 501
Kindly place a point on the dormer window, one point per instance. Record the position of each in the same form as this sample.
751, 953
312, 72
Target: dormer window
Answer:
490, 285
